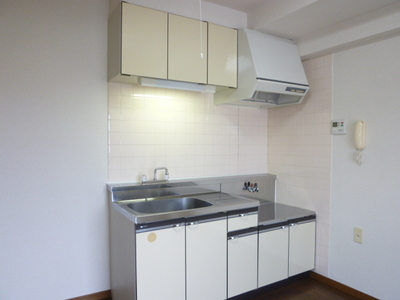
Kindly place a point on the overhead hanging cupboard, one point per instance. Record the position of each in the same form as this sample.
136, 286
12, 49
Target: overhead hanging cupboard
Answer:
147, 44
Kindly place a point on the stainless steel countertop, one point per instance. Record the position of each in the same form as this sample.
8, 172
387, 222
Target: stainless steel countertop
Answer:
225, 193
272, 212
222, 202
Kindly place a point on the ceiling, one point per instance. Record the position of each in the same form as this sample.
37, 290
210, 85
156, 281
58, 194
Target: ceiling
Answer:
297, 18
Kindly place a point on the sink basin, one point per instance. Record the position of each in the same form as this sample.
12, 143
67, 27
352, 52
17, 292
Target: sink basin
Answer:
139, 194
166, 205
143, 193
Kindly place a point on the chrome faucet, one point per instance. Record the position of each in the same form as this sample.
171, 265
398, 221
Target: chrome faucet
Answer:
166, 173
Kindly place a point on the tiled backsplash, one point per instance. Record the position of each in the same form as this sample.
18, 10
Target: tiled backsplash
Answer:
299, 152
183, 131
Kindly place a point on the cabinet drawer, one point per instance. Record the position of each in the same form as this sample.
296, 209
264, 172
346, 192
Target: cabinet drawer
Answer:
242, 220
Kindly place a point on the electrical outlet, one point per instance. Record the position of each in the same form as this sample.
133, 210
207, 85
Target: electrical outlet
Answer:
358, 235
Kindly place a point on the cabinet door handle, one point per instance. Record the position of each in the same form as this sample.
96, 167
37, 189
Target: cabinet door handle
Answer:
242, 215
176, 225
193, 223
283, 227
292, 224
233, 237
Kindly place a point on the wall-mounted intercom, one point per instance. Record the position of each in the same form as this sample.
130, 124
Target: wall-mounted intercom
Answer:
360, 139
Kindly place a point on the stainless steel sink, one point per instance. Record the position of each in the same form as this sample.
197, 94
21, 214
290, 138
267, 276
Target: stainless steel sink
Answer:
145, 192
166, 205
156, 193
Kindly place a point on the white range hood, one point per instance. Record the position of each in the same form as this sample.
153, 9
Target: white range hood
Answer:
270, 73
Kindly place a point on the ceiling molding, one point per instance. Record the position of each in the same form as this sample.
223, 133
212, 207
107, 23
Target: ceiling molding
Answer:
381, 24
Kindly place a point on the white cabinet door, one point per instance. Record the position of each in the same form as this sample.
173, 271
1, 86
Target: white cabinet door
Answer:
301, 248
187, 49
144, 41
160, 264
206, 260
222, 55
242, 264
273, 256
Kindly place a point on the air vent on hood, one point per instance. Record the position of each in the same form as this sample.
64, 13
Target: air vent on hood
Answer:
270, 73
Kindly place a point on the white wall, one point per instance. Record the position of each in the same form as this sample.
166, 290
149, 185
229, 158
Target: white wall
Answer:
53, 153
366, 87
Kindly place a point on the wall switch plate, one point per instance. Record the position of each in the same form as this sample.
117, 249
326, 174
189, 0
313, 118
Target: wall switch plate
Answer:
338, 126
358, 235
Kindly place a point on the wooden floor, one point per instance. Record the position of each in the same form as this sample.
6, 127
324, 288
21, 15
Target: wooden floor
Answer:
304, 289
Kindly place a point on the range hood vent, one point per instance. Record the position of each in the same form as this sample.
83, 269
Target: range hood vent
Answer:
270, 73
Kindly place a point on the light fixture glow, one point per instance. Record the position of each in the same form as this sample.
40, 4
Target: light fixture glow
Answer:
177, 85
143, 96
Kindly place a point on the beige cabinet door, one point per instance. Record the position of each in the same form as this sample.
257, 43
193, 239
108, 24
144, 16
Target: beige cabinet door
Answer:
222, 56
187, 49
144, 41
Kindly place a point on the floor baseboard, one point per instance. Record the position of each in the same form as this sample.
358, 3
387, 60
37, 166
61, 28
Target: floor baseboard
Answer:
95, 296
342, 287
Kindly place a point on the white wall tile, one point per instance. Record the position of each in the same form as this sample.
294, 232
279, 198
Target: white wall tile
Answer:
299, 151
184, 131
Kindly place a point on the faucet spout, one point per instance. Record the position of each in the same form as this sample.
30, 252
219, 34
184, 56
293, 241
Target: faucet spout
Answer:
166, 176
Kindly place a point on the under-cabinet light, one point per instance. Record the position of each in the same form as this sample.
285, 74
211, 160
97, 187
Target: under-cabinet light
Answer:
178, 85
142, 96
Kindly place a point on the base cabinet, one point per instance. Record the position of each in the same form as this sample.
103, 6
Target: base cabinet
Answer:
242, 263
206, 259
301, 248
160, 264
285, 251
191, 259
273, 255
178, 262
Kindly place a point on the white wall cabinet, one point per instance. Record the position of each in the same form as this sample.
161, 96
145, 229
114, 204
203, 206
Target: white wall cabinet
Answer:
206, 259
137, 43
187, 49
285, 251
160, 264
222, 56
144, 42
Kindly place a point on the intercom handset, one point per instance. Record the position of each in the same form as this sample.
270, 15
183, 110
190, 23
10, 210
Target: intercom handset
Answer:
360, 139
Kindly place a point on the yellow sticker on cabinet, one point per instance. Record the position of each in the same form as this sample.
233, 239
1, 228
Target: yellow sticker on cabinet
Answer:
152, 237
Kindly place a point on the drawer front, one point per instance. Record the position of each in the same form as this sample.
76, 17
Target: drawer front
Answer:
242, 221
